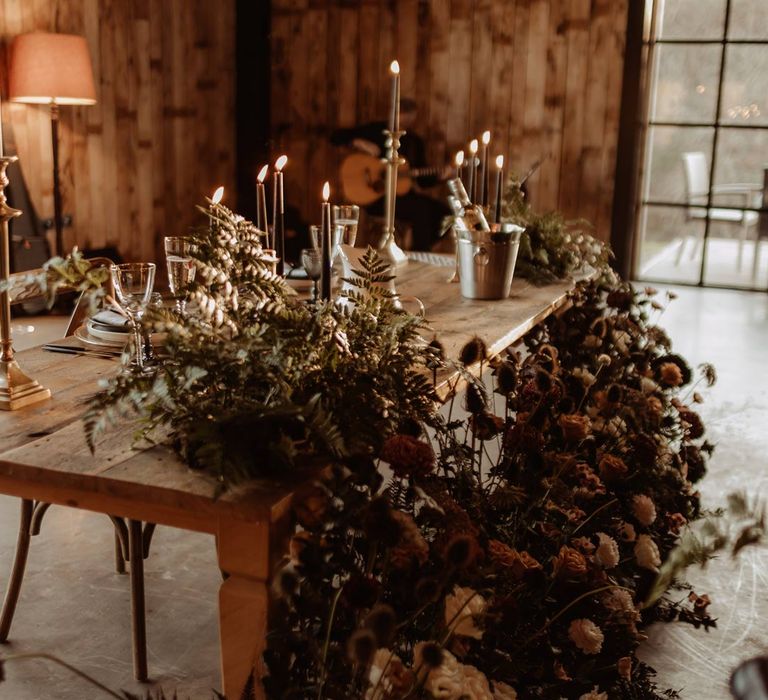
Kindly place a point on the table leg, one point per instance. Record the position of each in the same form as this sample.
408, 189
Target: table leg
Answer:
138, 618
17, 573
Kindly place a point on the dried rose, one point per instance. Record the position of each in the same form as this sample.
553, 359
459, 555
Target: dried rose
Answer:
612, 468
586, 635
408, 456
575, 426
521, 563
569, 562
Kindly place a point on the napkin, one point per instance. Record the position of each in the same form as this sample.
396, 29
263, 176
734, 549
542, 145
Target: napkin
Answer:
111, 319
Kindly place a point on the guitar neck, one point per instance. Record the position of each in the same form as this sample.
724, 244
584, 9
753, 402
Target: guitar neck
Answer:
421, 172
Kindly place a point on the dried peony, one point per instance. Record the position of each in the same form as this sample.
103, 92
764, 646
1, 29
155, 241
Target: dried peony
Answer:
569, 562
647, 553
462, 606
607, 553
586, 635
612, 468
594, 694
670, 374
644, 509
575, 426
502, 691
408, 456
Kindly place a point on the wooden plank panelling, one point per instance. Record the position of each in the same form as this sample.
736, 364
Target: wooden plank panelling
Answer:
543, 75
162, 134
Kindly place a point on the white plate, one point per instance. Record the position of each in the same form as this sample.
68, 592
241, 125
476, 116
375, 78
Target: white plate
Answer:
82, 334
111, 336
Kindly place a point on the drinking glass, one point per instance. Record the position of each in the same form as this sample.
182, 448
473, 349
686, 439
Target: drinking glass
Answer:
133, 283
181, 267
312, 262
314, 236
348, 216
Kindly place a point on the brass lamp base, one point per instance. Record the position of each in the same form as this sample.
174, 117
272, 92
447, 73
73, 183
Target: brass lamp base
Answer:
17, 389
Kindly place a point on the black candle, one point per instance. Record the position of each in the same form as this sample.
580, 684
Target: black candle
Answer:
325, 245
499, 185
278, 215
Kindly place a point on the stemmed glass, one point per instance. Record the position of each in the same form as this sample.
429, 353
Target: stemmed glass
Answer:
312, 262
181, 267
133, 283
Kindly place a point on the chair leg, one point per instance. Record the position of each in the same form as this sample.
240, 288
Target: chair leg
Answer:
138, 613
19, 566
681, 250
756, 259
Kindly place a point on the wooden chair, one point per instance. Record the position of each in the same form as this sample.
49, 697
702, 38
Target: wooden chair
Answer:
132, 538
697, 196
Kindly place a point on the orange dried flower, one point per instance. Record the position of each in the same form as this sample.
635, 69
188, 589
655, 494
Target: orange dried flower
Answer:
575, 426
612, 468
670, 374
569, 562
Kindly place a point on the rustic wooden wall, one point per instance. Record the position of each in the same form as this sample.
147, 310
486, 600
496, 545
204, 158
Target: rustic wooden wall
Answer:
162, 133
543, 75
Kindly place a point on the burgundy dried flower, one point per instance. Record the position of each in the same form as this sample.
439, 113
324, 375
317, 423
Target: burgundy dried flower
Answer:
431, 655
361, 591
486, 426
361, 646
383, 623
475, 401
408, 457
461, 550
474, 351
506, 378
695, 427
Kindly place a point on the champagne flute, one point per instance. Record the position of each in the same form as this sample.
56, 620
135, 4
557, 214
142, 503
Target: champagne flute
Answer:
312, 262
181, 267
348, 216
133, 283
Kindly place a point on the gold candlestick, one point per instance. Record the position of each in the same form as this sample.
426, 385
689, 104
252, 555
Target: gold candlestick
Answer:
389, 251
16, 388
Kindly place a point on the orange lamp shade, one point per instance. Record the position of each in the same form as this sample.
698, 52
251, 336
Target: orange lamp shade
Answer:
51, 68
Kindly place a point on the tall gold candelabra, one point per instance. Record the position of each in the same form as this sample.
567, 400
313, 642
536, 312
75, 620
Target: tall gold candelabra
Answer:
16, 388
389, 250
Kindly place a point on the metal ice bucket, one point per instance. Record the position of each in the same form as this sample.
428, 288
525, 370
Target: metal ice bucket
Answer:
487, 261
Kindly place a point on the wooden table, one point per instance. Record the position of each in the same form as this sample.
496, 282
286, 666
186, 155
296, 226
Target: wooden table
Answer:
44, 457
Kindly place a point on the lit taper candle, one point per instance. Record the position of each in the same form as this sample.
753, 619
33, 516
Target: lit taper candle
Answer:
473, 170
459, 162
262, 222
485, 181
278, 215
394, 114
325, 245
499, 185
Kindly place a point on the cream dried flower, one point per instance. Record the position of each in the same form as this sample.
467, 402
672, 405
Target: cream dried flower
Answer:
382, 659
586, 635
607, 553
476, 686
462, 606
594, 694
447, 680
619, 601
502, 691
586, 377
643, 509
647, 553
627, 532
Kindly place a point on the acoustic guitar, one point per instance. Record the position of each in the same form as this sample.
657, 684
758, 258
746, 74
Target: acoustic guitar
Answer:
363, 178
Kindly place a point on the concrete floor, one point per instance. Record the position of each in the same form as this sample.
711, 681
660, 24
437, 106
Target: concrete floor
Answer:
75, 606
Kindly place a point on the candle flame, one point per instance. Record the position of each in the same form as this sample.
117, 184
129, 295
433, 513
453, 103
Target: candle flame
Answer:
280, 163
473, 146
394, 67
499, 162
459, 159
326, 191
262, 174
218, 195
486, 138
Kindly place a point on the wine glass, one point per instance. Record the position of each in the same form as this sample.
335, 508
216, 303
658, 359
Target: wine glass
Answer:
312, 262
181, 267
348, 216
133, 283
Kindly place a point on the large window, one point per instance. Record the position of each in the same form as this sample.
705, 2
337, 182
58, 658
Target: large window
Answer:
705, 165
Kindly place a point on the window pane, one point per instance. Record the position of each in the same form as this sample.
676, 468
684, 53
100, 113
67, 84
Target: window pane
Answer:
672, 239
745, 87
692, 19
665, 175
687, 80
731, 250
749, 20
742, 154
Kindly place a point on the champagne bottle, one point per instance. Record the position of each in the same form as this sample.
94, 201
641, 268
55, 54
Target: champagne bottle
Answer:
469, 217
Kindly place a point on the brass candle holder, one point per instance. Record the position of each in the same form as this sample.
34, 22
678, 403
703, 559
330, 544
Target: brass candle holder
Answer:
389, 251
16, 388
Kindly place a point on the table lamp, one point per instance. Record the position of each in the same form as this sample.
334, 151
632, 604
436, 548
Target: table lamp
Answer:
52, 69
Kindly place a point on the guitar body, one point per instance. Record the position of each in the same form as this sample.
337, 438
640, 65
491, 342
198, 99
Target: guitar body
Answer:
363, 179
